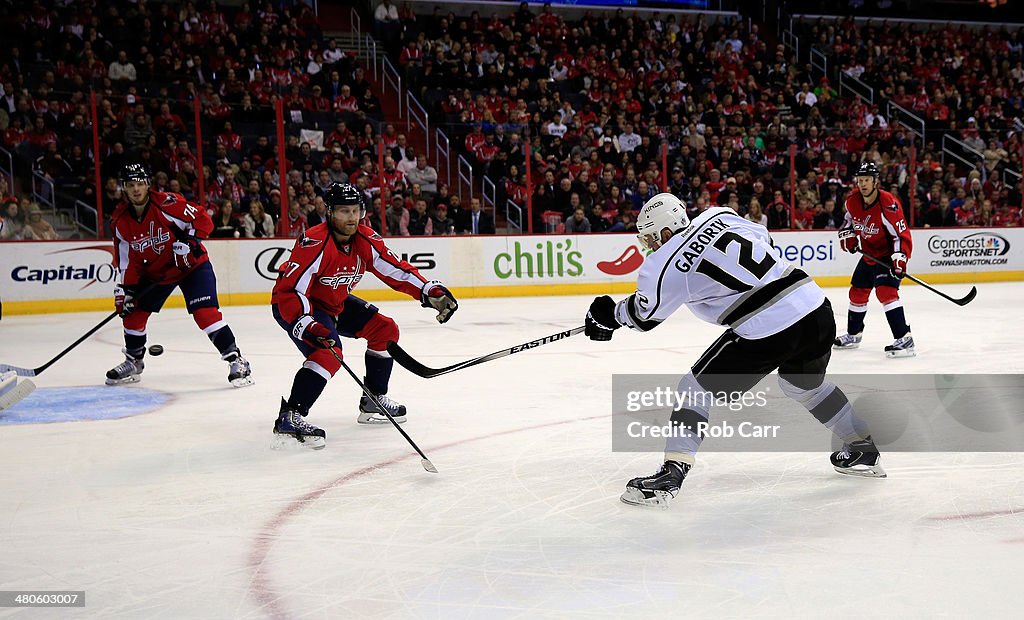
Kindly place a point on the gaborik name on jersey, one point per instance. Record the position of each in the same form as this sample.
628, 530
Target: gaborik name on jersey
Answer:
700, 241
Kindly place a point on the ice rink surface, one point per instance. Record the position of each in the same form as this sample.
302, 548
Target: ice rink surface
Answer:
184, 511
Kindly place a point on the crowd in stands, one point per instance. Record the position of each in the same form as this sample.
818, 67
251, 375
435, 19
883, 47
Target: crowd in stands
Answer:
595, 99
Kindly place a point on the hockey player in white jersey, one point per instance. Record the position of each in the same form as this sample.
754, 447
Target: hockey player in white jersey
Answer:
724, 268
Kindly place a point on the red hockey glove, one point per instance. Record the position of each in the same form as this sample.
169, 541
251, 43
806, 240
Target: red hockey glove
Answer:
313, 332
899, 264
849, 240
124, 300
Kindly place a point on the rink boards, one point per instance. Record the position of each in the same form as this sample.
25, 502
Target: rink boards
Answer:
63, 276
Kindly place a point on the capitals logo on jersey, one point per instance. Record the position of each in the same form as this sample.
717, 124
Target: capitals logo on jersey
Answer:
345, 277
156, 239
865, 226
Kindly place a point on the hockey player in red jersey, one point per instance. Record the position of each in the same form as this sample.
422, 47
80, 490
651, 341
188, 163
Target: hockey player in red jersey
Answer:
157, 248
312, 301
875, 225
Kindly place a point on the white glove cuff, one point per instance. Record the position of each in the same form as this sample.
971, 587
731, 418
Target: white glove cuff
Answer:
300, 325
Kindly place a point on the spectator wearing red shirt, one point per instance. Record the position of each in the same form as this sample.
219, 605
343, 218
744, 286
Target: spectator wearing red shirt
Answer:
167, 121
487, 151
229, 139
411, 56
475, 139
217, 109
345, 102
391, 175
967, 213
804, 216
180, 155
1007, 216
341, 134
40, 136
939, 110
714, 185
15, 134
293, 224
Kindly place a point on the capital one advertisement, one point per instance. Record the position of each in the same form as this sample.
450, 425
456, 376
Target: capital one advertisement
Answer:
56, 270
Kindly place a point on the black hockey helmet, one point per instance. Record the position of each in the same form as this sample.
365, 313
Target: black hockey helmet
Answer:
135, 171
867, 169
344, 194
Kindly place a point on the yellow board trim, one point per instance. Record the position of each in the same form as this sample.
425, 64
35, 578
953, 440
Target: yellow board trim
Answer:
502, 290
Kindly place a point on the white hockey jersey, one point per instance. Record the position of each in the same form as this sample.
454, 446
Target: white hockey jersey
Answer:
725, 269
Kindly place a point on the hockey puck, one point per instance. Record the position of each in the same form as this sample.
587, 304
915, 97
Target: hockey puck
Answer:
156, 350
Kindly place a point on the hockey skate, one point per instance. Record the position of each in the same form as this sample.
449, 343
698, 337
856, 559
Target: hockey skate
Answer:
848, 341
657, 489
369, 414
240, 375
292, 425
128, 371
901, 347
859, 458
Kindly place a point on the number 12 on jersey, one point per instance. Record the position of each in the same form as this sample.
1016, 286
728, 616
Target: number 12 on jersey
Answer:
756, 268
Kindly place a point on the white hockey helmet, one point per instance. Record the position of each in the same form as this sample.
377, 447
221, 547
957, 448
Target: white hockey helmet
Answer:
660, 212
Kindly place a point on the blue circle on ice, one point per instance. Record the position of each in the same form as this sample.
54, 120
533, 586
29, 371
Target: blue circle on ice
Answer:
70, 404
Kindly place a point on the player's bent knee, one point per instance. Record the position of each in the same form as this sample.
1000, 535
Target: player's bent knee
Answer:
323, 360
859, 296
136, 322
379, 331
824, 401
887, 294
208, 319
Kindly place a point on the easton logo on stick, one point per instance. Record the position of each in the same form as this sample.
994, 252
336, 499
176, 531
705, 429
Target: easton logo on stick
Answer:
545, 340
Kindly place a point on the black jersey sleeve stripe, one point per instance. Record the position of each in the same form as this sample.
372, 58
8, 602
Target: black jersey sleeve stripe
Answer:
765, 297
644, 325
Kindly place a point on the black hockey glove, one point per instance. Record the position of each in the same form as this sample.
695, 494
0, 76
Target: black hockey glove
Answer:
187, 251
435, 295
124, 299
600, 322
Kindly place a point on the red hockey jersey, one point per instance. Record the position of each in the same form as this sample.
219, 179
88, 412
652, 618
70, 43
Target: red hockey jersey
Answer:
320, 274
142, 246
881, 226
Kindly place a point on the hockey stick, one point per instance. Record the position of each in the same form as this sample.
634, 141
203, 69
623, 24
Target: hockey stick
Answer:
963, 301
424, 461
32, 372
12, 391
416, 368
